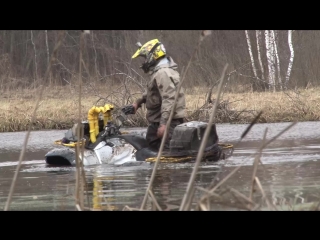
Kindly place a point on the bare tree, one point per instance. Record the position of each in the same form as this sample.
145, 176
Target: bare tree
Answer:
272, 58
275, 46
258, 37
35, 56
251, 55
269, 53
47, 45
291, 57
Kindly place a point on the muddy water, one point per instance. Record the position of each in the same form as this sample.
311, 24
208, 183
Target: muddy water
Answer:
290, 174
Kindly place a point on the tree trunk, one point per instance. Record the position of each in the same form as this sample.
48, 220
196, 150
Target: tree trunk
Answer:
258, 36
35, 58
47, 46
95, 56
48, 53
269, 54
291, 58
273, 62
251, 55
277, 57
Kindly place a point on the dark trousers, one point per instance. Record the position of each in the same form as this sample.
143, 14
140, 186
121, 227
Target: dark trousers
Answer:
155, 142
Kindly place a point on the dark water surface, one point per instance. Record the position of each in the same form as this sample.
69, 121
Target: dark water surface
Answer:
290, 174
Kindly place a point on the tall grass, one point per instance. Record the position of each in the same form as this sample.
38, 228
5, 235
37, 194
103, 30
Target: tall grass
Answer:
58, 108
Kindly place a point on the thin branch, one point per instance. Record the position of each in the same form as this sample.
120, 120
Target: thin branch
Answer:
35, 56
203, 143
47, 45
95, 54
255, 164
154, 200
128, 76
242, 196
79, 186
262, 192
237, 168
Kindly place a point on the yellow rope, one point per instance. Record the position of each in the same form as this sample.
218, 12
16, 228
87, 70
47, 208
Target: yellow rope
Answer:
225, 146
71, 144
182, 159
170, 159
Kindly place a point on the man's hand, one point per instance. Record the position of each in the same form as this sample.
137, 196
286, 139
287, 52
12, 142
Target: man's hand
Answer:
135, 107
161, 130
129, 109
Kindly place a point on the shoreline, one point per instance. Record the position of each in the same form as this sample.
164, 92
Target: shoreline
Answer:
58, 110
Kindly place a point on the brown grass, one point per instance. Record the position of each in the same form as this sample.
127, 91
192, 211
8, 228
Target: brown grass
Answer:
298, 105
59, 106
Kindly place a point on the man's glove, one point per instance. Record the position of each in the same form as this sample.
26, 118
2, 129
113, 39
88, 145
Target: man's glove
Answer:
140, 101
129, 109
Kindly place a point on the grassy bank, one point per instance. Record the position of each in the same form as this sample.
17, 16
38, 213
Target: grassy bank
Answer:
59, 107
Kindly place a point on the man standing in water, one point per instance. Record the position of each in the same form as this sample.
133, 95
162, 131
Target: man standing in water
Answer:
160, 93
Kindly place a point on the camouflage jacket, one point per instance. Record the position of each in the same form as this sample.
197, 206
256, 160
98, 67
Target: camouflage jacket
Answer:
160, 93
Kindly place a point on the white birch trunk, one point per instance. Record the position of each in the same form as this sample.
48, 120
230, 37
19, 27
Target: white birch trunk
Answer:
269, 59
277, 57
273, 62
258, 37
251, 55
291, 57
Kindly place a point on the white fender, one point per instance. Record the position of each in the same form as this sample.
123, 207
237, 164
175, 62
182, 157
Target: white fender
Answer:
103, 152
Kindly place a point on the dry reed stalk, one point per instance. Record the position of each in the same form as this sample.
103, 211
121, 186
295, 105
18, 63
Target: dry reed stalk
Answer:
263, 146
78, 207
189, 203
209, 193
77, 175
202, 36
242, 196
238, 205
83, 173
78, 198
246, 131
154, 200
208, 204
207, 198
132, 209
262, 192
255, 164
79, 164
240, 200
203, 207
24, 147
238, 167
203, 144
236, 194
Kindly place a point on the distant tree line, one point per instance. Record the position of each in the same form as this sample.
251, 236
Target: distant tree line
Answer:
264, 60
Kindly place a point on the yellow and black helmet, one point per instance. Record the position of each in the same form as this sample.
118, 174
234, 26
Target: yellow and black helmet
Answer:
152, 51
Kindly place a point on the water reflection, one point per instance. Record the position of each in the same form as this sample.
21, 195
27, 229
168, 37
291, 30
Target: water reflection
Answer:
116, 189
290, 174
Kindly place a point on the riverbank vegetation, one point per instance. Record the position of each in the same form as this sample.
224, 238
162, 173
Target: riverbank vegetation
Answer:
273, 71
58, 108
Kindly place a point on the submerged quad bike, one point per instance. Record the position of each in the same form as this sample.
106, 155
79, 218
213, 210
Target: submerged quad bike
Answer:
113, 147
